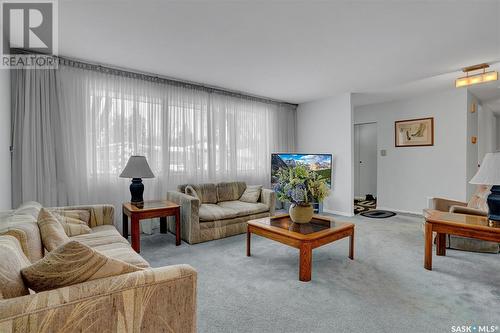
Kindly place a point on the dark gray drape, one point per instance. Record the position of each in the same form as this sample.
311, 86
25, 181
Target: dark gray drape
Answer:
36, 137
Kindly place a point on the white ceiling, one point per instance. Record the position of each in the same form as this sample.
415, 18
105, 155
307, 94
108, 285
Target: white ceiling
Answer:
295, 51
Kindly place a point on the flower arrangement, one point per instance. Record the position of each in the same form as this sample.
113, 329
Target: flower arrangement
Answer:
300, 186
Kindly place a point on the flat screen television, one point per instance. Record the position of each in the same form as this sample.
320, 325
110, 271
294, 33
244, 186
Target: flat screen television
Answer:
320, 163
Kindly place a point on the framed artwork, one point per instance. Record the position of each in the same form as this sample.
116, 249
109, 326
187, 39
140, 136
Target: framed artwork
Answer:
414, 132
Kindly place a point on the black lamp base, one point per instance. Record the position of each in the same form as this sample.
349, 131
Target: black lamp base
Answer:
494, 203
137, 190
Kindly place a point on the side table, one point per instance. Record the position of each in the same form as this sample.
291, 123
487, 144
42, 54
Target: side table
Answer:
148, 210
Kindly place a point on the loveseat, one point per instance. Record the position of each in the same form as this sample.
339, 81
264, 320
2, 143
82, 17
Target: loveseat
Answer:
217, 211
150, 300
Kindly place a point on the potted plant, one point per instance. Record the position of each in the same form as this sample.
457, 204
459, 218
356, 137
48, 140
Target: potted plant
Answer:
300, 186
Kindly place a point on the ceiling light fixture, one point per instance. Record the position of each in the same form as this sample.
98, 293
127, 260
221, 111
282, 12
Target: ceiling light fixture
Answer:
483, 77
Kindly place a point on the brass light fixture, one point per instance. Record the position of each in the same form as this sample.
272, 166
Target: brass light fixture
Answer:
482, 77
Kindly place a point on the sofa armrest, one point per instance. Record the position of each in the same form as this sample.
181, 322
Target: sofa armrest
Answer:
467, 210
444, 205
159, 299
99, 214
268, 197
190, 209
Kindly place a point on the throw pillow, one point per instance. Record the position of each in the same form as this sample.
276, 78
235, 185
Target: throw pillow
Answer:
51, 231
11, 263
74, 222
79, 214
72, 263
191, 192
251, 194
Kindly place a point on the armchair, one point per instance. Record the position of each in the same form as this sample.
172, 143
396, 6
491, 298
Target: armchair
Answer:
476, 206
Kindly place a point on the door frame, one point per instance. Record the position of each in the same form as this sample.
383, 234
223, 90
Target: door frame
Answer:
356, 165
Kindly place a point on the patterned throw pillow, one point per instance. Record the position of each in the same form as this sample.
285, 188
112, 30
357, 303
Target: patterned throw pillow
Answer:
72, 263
74, 222
479, 198
52, 232
11, 263
191, 192
251, 194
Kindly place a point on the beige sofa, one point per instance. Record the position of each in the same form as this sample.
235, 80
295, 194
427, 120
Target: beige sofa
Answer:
152, 300
218, 212
476, 206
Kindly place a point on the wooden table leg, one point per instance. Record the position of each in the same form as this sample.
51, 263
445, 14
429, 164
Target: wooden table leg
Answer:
351, 245
125, 226
428, 246
136, 234
178, 227
441, 244
249, 235
163, 225
305, 262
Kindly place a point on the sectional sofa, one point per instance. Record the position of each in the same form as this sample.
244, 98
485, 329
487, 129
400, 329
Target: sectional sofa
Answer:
159, 299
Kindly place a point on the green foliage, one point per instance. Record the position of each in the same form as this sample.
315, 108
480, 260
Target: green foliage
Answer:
300, 186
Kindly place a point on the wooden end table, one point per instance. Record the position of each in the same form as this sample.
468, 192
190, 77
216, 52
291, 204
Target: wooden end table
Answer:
444, 223
150, 209
305, 237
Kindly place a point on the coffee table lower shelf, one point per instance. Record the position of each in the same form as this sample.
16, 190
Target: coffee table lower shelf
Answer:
306, 237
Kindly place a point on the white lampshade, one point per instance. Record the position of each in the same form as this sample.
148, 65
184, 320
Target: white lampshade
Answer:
489, 171
137, 167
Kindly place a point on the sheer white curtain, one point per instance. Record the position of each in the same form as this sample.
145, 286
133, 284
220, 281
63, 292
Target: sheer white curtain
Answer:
187, 134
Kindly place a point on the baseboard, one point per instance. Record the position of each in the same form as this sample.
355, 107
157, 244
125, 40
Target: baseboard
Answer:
336, 212
399, 211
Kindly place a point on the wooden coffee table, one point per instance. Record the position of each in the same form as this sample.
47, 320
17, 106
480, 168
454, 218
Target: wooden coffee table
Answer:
305, 237
149, 210
444, 223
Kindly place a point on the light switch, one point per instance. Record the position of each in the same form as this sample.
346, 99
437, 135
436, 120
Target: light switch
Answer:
383, 152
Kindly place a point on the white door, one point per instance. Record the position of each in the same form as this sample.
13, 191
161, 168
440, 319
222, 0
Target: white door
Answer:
365, 159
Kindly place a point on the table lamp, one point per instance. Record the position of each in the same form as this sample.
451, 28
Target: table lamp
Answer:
137, 168
489, 174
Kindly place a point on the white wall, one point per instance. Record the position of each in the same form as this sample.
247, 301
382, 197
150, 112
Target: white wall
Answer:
325, 126
407, 176
487, 133
472, 148
5, 175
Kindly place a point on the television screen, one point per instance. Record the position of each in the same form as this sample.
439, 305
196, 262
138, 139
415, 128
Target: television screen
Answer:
320, 163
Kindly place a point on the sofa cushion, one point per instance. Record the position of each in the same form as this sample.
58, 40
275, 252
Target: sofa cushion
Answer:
51, 231
212, 212
101, 235
230, 191
123, 252
71, 223
11, 263
244, 208
206, 193
25, 229
251, 194
107, 240
72, 263
79, 214
29, 208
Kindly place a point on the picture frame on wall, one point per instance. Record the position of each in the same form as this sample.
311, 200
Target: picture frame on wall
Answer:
414, 132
